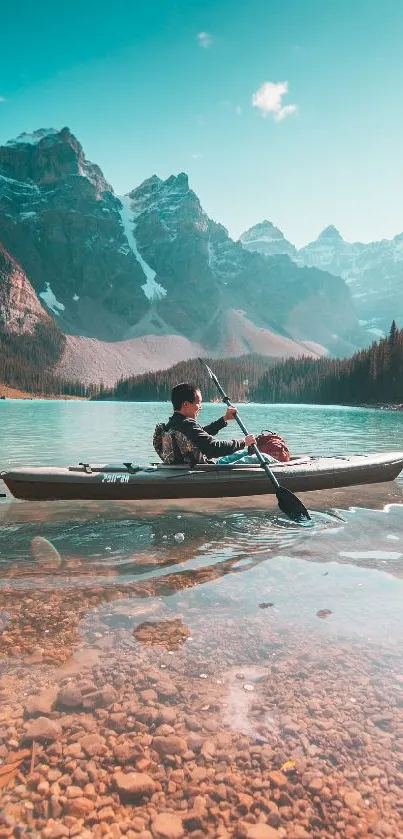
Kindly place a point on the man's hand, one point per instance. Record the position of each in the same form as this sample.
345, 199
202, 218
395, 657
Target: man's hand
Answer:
250, 440
230, 413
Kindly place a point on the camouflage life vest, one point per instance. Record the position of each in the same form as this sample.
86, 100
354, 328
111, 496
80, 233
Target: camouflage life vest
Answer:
174, 448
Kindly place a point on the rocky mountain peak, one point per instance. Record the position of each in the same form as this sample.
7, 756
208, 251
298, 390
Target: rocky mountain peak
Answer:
178, 182
48, 156
267, 239
143, 195
62, 223
263, 231
167, 206
154, 190
330, 234
208, 279
33, 138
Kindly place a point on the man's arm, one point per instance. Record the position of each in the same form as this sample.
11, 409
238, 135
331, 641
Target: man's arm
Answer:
206, 442
214, 427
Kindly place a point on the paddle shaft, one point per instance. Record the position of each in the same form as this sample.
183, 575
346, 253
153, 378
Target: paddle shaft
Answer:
287, 501
258, 454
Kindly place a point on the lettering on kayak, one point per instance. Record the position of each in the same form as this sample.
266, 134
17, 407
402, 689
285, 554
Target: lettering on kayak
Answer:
115, 478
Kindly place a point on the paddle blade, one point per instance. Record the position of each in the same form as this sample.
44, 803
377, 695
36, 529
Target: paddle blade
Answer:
292, 506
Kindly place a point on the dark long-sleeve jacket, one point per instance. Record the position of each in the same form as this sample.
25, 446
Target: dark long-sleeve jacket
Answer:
203, 445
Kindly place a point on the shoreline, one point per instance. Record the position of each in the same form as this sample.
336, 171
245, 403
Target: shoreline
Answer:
7, 392
382, 406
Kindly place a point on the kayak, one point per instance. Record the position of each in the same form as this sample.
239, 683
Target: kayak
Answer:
126, 481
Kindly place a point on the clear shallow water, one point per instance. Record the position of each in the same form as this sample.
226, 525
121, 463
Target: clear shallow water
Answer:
302, 616
361, 526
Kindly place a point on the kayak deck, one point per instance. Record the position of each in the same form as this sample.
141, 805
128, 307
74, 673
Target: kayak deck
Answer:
126, 481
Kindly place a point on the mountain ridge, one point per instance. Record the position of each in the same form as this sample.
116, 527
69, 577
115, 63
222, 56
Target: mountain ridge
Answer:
373, 272
152, 268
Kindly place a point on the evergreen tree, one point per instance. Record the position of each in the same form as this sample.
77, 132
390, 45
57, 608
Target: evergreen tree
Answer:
370, 376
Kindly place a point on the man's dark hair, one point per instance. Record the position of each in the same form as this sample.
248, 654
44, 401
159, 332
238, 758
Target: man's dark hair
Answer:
183, 393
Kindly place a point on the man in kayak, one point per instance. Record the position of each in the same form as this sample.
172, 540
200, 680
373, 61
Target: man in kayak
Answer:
182, 440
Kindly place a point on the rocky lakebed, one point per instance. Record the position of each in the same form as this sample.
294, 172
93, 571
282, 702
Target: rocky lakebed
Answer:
130, 710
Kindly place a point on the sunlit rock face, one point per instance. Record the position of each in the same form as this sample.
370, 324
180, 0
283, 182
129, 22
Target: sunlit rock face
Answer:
154, 264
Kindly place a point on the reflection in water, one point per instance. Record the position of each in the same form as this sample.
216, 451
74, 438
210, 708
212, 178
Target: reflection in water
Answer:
44, 553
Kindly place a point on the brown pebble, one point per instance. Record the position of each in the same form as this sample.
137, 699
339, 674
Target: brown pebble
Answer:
277, 779
55, 830
80, 807
70, 697
167, 826
43, 729
106, 814
134, 784
100, 698
171, 745
92, 744
316, 784
74, 792
353, 799
42, 703
262, 831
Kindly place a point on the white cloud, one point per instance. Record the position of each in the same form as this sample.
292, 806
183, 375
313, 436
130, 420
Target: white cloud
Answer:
2, 99
205, 40
286, 111
269, 100
197, 156
238, 110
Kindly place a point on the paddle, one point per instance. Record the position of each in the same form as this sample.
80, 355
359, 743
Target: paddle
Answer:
287, 501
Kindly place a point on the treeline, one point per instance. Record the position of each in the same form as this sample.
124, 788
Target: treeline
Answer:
26, 363
240, 377
370, 376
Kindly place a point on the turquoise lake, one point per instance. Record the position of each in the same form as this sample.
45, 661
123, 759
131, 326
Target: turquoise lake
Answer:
356, 528
223, 591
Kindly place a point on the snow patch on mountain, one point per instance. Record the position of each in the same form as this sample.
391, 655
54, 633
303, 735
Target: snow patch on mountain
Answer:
51, 300
152, 290
20, 186
32, 139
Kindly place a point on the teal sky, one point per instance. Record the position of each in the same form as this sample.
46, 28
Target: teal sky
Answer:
167, 85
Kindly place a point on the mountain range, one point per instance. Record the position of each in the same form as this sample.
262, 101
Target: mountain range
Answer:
143, 281
373, 272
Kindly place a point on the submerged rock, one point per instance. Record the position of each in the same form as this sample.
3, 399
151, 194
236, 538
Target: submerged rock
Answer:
43, 729
167, 826
42, 703
134, 785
